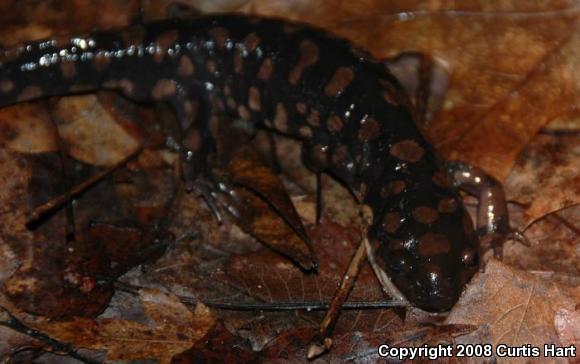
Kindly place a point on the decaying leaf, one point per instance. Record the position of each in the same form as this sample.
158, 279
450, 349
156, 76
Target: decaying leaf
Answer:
94, 130
267, 212
218, 346
514, 307
550, 163
27, 129
172, 329
512, 68
567, 324
55, 277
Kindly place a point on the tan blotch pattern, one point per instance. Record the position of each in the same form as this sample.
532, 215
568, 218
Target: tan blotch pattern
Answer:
164, 41
431, 244
281, 118
407, 151
305, 132
126, 86
238, 62
251, 42
243, 112
369, 130
301, 108
220, 36
254, 100
339, 82
447, 205
334, 123
391, 222
393, 188
193, 140
425, 214
163, 88
314, 118
266, 70
309, 53
185, 67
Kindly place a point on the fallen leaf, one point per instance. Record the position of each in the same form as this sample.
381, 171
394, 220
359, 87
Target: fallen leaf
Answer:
549, 164
27, 128
517, 308
567, 323
94, 131
172, 330
218, 346
268, 213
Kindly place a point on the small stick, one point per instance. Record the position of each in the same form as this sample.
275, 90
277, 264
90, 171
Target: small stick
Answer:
58, 347
272, 306
322, 341
60, 200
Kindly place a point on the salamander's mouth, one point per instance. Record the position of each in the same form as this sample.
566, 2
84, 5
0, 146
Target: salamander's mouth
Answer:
439, 291
437, 300
434, 288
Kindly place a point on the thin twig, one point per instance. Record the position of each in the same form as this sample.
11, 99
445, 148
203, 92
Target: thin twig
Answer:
322, 341
272, 306
58, 201
57, 346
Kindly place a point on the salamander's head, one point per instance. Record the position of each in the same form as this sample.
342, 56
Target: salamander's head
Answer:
426, 244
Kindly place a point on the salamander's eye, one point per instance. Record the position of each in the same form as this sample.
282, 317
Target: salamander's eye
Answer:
470, 258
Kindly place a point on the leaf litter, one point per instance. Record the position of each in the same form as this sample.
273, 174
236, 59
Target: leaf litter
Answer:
511, 72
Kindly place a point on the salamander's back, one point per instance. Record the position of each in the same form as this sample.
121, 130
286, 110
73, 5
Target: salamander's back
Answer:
349, 111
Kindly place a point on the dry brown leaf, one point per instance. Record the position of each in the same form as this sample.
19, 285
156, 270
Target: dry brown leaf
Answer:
172, 330
549, 90
218, 346
266, 210
516, 308
492, 49
567, 323
93, 132
550, 164
26, 21
27, 128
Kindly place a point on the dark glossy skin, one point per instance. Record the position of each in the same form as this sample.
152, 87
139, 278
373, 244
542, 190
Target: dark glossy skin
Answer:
350, 112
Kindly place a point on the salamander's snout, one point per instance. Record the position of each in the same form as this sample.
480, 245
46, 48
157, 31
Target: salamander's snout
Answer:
431, 255
439, 284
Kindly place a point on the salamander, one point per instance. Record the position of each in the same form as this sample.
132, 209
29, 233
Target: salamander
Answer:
352, 116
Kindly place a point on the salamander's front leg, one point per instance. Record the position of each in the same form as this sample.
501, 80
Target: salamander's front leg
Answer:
493, 223
194, 148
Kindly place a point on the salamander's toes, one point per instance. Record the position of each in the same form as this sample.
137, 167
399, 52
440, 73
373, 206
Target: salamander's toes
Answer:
494, 241
519, 237
219, 195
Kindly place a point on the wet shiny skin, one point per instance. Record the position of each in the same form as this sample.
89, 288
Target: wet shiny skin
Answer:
350, 112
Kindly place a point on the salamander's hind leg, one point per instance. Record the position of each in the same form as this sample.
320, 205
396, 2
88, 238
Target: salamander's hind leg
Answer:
493, 225
424, 79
